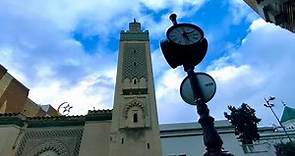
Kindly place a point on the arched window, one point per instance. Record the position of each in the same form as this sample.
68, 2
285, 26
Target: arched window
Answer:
134, 81
135, 117
48, 153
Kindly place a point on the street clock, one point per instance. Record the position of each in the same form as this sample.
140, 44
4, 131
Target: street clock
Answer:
185, 44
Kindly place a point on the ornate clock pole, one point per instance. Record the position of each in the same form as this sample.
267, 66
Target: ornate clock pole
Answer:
186, 45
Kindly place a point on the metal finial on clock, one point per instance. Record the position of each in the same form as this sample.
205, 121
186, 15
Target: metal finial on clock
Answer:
172, 17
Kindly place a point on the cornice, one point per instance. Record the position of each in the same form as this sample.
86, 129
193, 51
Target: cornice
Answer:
52, 121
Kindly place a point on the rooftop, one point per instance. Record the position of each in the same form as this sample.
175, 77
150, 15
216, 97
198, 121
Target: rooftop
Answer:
288, 114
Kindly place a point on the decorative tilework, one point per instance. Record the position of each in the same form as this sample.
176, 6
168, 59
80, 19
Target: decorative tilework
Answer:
63, 141
137, 36
134, 61
133, 103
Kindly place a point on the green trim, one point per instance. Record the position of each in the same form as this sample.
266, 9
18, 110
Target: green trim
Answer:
101, 115
135, 91
288, 114
55, 123
134, 36
11, 120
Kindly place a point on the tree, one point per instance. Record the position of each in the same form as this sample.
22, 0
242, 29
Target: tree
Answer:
245, 122
285, 149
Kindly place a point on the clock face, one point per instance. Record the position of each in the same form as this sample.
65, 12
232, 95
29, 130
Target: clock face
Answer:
185, 34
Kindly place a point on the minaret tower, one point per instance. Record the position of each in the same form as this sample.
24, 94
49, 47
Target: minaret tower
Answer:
135, 128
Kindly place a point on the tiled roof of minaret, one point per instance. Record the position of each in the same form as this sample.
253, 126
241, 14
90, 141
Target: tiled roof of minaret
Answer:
288, 114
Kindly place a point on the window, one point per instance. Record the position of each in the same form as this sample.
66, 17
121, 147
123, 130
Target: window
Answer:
122, 141
134, 81
135, 117
181, 154
148, 146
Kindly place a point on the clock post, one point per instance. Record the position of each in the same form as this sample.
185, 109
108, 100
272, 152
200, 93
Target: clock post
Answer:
186, 45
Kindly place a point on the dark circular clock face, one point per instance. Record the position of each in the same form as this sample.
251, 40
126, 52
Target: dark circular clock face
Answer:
185, 34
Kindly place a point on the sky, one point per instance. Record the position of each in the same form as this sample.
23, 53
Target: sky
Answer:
66, 51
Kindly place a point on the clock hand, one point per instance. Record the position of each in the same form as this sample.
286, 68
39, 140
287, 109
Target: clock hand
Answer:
190, 32
184, 34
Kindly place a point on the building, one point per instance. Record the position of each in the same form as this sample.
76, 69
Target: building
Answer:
288, 118
279, 12
270, 136
14, 98
130, 129
89, 135
186, 139
135, 127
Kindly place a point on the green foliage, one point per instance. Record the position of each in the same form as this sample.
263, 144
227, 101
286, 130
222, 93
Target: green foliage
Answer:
245, 122
285, 149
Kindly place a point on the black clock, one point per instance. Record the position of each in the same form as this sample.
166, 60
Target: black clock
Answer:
185, 44
185, 34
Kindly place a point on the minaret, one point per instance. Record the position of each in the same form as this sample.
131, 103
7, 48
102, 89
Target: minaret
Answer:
135, 128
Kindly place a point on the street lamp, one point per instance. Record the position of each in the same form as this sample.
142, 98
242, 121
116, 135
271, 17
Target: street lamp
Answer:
270, 105
186, 45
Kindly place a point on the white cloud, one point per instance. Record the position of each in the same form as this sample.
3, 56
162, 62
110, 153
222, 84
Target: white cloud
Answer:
229, 73
171, 107
241, 11
169, 82
175, 5
94, 90
38, 48
260, 23
261, 67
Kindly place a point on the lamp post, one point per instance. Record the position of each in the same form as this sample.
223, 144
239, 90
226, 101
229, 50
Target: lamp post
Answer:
211, 138
186, 45
270, 105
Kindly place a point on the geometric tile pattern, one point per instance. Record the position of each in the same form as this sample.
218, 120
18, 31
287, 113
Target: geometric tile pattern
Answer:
134, 61
62, 141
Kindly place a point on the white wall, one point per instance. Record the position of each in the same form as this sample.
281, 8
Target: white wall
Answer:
8, 135
96, 138
193, 145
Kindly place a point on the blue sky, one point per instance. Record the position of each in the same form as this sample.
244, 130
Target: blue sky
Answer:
66, 50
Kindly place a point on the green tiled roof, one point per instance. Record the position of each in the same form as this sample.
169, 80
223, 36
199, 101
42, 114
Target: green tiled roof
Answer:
288, 114
48, 121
